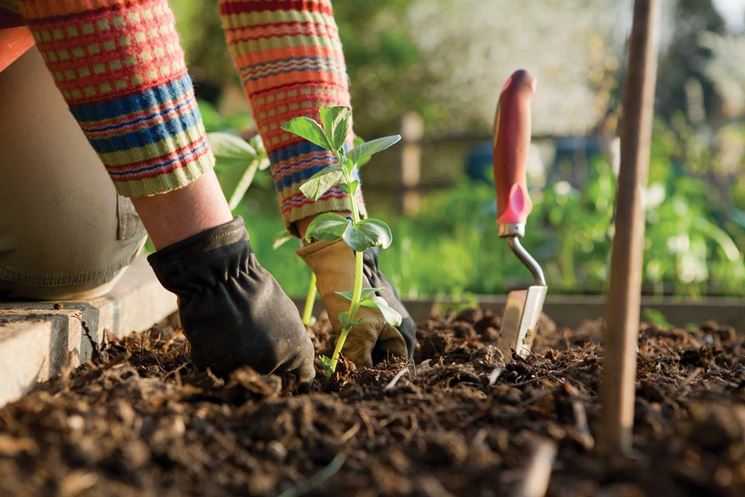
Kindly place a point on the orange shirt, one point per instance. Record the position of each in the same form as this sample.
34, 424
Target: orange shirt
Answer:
15, 37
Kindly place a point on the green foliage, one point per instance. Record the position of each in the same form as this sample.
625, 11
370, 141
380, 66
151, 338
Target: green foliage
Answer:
360, 234
309, 130
691, 248
362, 153
214, 121
656, 318
392, 316
691, 245
335, 124
368, 233
325, 361
327, 227
319, 183
233, 152
383, 62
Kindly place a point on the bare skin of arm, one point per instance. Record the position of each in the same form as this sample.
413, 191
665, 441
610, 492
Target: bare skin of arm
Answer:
176, 215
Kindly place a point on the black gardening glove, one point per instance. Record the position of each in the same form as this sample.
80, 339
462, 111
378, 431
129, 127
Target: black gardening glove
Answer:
389, 293
232, 310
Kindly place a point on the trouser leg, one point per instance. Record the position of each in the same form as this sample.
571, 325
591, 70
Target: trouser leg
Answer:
64, 232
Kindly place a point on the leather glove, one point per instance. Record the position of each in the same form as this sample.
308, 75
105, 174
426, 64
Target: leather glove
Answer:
232, 310
374, 339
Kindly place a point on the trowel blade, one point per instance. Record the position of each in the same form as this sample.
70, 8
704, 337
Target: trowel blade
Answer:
519, 320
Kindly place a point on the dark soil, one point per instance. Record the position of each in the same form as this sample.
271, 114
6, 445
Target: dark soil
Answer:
141, 421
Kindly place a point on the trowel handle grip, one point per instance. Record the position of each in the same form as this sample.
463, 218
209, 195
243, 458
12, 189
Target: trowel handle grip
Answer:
510, 146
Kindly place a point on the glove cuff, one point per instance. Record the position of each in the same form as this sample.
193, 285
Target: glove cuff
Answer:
332, 263
202, 259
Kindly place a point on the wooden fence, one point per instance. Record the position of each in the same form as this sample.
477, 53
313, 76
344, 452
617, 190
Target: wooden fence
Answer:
410, 187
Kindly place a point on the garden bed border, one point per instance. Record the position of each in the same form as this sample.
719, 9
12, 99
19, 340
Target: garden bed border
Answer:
38, 339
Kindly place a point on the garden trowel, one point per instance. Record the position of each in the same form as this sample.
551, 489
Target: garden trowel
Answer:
511, 144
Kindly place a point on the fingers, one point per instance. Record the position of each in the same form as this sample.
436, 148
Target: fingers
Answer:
408, 332
306, 371
359, 346
390, 345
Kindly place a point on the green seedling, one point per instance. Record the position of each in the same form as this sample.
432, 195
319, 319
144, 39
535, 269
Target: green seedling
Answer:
234, 152
308, 320
656, 318
359, 234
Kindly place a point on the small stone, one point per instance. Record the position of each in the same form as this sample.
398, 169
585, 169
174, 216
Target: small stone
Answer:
276, 450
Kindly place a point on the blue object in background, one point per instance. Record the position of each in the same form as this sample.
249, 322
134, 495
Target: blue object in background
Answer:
479, 161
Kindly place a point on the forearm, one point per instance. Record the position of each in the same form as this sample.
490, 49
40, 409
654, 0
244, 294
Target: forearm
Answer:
182, 213
290, 61
121, 70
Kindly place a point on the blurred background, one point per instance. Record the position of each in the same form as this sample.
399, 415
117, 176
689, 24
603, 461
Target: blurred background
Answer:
431, 70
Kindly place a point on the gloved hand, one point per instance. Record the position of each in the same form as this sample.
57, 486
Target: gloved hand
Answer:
232, 310
374, 339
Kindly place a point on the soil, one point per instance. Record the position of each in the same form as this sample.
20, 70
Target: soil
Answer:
141, 421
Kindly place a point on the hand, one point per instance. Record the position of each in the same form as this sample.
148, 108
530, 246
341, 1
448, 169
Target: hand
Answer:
374, 339
233, 311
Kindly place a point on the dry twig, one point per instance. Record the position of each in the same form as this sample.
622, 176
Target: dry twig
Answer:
538, 472
395, 379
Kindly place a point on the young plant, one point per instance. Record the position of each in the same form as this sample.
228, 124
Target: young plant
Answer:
232, 152
308, 320
359, 234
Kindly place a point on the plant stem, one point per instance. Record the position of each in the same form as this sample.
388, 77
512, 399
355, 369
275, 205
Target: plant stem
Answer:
243, 184
354, 305
309, 301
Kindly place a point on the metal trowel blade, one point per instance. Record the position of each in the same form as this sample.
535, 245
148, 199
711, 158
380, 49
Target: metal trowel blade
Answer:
520, 319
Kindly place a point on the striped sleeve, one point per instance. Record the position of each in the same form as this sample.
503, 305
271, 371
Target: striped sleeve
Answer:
119, 66
290, 61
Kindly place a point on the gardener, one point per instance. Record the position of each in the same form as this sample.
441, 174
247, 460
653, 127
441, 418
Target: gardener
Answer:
67, 231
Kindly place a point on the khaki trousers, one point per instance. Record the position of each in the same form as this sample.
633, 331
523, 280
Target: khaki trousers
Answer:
64, 232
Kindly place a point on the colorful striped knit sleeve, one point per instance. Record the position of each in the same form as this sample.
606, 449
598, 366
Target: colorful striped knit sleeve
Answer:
119, 66
290, 62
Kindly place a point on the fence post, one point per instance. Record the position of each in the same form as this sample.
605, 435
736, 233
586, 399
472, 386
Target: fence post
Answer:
410, 174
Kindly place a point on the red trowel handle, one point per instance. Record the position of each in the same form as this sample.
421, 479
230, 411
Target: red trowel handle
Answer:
511, 144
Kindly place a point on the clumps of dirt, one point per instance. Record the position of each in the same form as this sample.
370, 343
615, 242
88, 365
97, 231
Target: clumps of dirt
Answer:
142, 421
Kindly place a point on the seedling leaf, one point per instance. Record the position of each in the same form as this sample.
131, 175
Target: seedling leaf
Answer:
351, 187
366, 293
346, 322
326, 364
230, 150
344, 319
328, 226
261, 155
361, 154
243, 184
319, 183
335, 122
390, 314
368, 233
309, 129
280, 239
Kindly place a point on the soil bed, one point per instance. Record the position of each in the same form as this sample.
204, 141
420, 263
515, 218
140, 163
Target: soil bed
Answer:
141, 421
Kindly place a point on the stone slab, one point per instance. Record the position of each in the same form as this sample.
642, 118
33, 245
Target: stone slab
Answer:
38, 339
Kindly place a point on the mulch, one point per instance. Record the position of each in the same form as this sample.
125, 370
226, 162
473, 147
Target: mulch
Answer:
140, 420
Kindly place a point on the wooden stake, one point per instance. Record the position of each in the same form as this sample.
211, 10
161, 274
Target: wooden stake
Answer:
624, 297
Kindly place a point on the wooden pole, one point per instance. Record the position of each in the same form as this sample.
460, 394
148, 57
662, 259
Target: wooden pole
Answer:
624, 297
